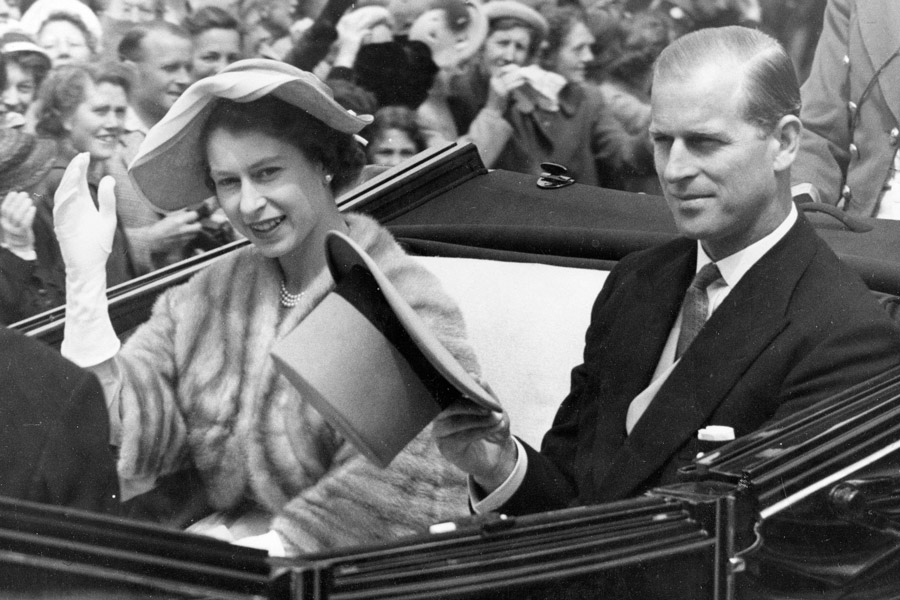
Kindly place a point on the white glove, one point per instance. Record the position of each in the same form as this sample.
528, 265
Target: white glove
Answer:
85, 238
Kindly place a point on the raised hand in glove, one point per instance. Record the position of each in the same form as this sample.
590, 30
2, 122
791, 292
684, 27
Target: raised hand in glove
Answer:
85, 237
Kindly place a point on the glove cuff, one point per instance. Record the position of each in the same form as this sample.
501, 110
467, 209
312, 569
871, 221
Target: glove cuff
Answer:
88, 336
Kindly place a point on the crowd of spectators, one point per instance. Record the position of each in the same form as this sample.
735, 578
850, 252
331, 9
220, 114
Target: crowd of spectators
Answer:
528, 81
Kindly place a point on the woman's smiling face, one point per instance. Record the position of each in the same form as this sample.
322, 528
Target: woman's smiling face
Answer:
270, 191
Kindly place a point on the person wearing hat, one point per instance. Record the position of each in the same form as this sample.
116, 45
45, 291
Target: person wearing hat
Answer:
27, 286
195, 385
482, 92
575, 129
68, 31
26, 66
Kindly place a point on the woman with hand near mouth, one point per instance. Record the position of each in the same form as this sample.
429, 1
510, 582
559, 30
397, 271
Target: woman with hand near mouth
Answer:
81, 108
580, 132
195, 386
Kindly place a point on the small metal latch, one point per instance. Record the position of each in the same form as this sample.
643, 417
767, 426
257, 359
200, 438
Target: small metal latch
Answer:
554, 176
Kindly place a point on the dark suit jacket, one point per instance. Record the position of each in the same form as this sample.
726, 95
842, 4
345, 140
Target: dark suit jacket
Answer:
54, 429
867, 33
796, 329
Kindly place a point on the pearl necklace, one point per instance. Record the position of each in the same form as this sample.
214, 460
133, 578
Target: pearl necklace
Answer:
289, 300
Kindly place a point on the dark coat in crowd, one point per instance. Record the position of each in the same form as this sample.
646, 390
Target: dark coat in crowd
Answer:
851, 105
54, 430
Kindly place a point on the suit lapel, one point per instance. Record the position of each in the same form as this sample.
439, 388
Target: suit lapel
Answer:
642, 321
878, 29
751, 316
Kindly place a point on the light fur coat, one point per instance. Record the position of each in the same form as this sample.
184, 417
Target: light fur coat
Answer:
199, 385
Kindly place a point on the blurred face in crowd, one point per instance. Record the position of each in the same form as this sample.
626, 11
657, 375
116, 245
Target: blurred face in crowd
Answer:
20, 88
573, 56
391, 147
229, 6
64, 42
505, 47
719, 172
9, 12
96, 124
133, 11
164, 72
215, 49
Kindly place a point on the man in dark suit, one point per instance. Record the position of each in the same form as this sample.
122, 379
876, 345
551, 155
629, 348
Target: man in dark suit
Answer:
54, 430
778, 325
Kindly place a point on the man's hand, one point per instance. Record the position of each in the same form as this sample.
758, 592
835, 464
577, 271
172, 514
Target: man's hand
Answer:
85, 234
477, 441
16, 218
174, 231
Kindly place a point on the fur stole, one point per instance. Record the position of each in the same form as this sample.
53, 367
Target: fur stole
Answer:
199, 386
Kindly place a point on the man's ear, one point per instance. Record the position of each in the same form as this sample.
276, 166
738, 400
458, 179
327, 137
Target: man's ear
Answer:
787, 136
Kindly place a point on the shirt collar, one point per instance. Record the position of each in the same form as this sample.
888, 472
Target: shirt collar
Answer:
734, 267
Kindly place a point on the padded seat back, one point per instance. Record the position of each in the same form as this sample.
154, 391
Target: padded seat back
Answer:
527, 323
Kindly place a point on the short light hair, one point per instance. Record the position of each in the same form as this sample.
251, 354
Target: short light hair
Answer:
131, 47
771, 90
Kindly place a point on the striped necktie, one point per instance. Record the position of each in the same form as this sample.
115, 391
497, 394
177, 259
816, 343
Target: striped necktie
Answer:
695, 307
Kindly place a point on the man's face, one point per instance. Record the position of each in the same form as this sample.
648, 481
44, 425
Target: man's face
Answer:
215, 49
163, 73
20, 88
506, 47
717, 170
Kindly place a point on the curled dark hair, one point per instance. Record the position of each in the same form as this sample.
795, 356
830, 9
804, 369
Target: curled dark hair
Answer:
561, 20
641, 39
66, 88
339, 153
31, 62
395, 117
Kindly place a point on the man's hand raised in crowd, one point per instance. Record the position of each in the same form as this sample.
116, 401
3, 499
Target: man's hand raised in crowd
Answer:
477, 441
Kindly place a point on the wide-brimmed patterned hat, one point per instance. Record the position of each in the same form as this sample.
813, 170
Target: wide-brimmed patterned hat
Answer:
170, 166
24, 160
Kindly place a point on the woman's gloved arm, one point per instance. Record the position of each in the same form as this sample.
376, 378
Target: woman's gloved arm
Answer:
85, 237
